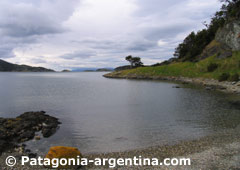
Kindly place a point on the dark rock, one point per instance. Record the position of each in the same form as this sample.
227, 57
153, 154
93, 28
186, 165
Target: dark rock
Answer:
209, 88
32, 155
225, 54
2, 120
24, 127
23, 145
27, 150
28, 135
47, 132
3, 134
235, 104
216, 48
177, 87
18, 157
2, 144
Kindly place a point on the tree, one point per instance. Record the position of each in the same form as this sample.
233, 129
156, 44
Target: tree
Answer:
134, 61
129, 59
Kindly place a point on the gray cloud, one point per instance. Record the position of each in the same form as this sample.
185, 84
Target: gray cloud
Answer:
141, 45
6, 53
23, 22
86, 33
38, 60
26, 20
168, 31
79, 54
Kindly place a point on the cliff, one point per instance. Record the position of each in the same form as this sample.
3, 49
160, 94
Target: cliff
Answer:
229, 35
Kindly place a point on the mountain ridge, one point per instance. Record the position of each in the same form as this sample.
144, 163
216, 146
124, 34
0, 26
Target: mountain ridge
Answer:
10, 67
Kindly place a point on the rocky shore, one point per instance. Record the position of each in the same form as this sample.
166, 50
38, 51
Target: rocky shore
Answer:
209, 84
218, 151
15, 131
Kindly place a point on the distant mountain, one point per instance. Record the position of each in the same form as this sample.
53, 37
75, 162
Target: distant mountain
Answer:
104, 69
9, 67
83, 69
91, 69
123, 68
66, 71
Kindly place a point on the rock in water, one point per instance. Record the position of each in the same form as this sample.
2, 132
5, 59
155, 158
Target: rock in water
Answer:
24, 127
64, 152
37, 137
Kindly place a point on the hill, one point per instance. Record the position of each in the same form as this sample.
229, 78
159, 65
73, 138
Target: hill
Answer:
104, 69
9, 67
212, 53
229, 65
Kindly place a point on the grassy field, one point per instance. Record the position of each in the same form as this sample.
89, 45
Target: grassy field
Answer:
229, 65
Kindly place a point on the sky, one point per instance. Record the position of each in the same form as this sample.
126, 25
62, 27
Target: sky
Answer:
70, 34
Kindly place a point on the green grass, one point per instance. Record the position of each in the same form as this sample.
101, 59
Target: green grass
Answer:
229, 65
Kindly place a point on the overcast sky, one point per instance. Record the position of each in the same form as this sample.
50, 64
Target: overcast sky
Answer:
66, 34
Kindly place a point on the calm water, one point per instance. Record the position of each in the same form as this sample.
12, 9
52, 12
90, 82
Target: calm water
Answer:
104, 115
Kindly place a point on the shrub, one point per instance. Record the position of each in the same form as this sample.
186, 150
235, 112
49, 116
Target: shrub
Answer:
212, 67
234, 77
224, 77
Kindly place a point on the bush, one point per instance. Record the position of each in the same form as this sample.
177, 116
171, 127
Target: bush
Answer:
212, 67
224, 77
234, 77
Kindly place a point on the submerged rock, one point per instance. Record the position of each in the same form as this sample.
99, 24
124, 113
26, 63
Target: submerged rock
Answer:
24, 127
176, 87
235, 104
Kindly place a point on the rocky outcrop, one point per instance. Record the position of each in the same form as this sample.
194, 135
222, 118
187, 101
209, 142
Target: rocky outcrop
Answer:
226, 41
230, 35
23, 128
215, 48
60, 152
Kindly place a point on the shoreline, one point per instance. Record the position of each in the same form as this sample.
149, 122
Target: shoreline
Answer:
220, 150
209, 84
202, 152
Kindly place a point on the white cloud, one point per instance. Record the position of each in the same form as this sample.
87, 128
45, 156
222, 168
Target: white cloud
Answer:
162, 43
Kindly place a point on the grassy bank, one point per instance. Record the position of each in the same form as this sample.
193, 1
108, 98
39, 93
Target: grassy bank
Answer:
229, 65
